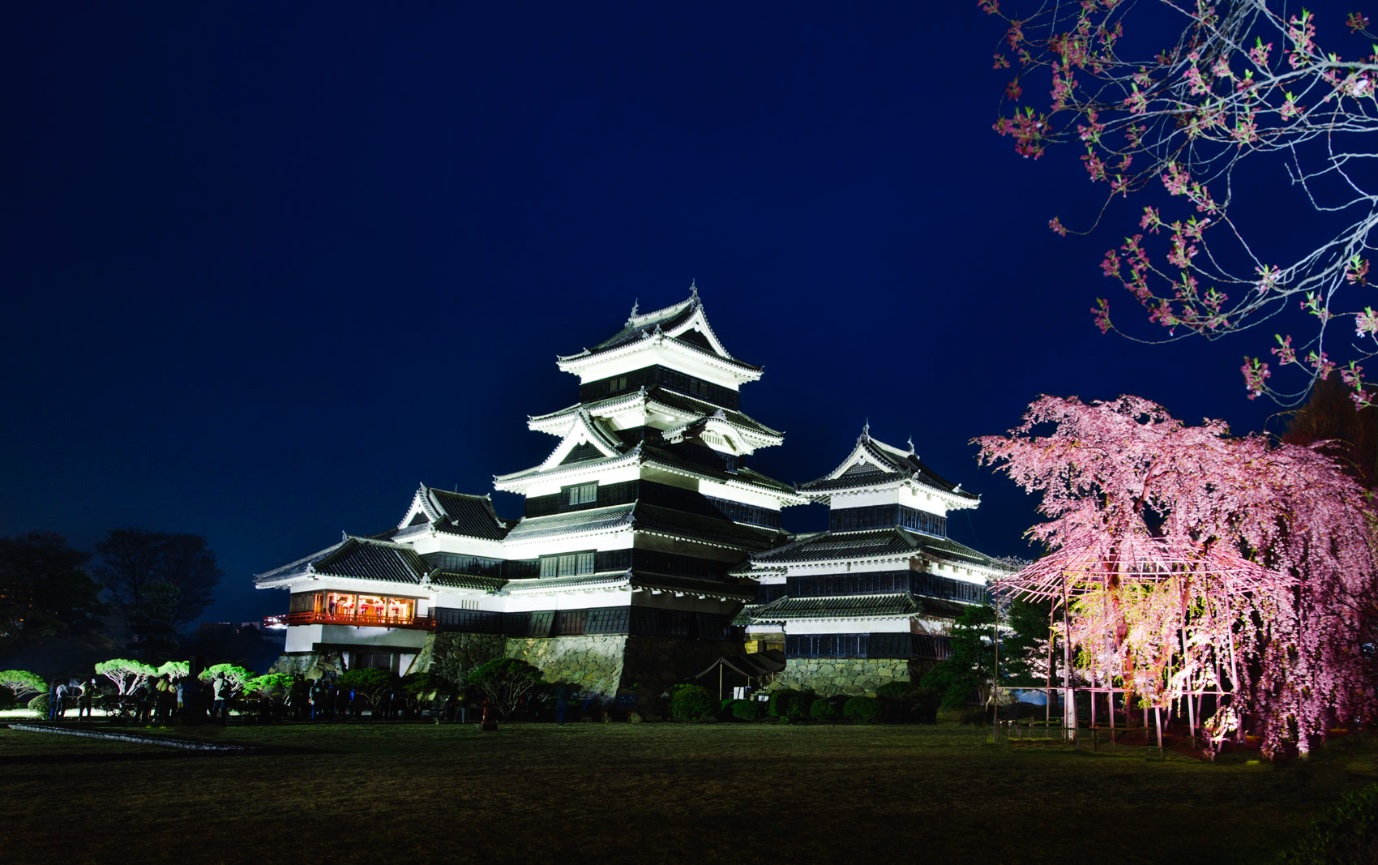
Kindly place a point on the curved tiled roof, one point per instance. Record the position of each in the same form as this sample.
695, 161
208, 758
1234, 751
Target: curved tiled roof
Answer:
456, 580
838, 608
693, 586
471, 516
300, 567
883, 465
880, 543
685, 403
592, 520
373, 560
653, 325
720, 530
660, 456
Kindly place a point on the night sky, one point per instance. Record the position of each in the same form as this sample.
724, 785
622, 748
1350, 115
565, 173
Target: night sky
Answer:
266, 269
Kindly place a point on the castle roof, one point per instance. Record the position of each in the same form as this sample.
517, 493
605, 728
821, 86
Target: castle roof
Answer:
643, 517
680, 327
850, 607
355, 558
688, 410
873, 463
878, 544
454, 513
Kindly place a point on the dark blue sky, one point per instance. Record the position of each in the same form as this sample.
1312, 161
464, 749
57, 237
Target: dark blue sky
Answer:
268, 268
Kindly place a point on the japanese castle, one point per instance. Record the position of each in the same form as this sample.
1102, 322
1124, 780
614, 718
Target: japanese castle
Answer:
648, 548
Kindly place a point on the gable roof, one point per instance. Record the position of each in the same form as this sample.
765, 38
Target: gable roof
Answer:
683, 324
454, 513
374, 560
873, 463
355, 558
300, 567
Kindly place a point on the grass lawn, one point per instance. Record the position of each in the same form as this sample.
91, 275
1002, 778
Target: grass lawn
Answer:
649, 793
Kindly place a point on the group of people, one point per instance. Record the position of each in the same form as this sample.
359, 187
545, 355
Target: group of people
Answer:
73, 693
158, 700
163, 699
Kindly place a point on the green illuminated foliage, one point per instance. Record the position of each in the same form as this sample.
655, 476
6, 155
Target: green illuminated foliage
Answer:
175, 669
235, 675
22, 683
125, 673
271, 684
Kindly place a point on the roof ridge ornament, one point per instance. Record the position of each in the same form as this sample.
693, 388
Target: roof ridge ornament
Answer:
693, 289
911, 446
636, 305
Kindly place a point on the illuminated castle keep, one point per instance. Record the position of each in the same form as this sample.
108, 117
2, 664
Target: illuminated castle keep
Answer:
868, 601
647, 543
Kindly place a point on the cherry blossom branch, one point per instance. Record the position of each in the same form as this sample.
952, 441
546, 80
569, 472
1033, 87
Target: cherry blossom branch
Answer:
1236, 80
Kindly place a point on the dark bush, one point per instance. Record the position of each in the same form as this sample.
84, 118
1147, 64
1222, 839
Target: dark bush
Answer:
908, 703
826, 710
1346, 833
975, 717
778, 704
862, 710
896, 690
748, 710
692, 703
1018, 711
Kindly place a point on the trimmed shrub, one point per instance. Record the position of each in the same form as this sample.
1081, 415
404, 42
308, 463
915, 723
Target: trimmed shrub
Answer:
825, 710
790, 706
39, 705
862, 710
692, 703
778, 701
748, 710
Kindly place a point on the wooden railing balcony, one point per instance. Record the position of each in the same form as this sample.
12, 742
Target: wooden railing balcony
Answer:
420, 623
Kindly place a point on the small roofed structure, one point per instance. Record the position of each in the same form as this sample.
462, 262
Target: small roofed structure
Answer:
754, 670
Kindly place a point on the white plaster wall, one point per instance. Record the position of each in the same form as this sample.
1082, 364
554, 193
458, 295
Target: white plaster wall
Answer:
895, 625
393, 638
573, 474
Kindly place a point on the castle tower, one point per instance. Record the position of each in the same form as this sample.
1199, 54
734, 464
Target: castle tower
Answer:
870, 600
621, 570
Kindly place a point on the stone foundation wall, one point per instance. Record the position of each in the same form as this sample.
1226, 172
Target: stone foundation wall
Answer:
600, 663
451, 655
658, 662
851, 676
303, 663
593, 661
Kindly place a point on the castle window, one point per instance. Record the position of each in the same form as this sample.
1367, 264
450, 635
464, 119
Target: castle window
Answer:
581, 494
568, 564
